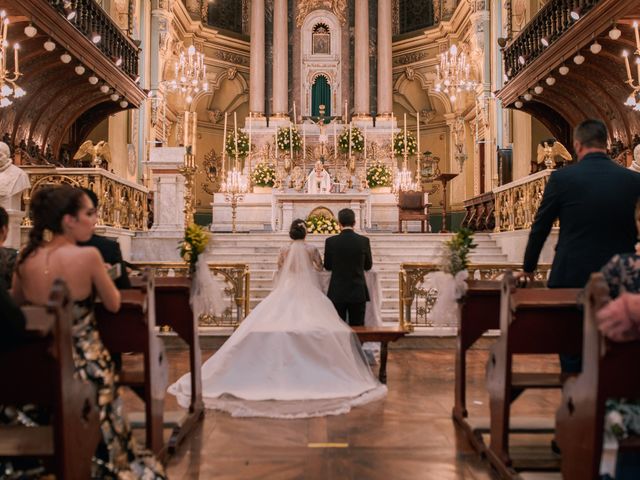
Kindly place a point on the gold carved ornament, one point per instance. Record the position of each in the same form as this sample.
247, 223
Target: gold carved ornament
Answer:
337, 7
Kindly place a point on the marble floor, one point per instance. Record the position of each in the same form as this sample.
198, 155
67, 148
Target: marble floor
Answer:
409, 435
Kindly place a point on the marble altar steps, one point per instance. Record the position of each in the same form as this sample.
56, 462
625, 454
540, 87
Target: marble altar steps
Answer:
260, 250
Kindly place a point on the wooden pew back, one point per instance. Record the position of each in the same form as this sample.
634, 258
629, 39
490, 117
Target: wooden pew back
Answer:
607, 372
41, 371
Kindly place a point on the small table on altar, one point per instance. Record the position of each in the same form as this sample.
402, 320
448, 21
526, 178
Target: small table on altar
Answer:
287, 206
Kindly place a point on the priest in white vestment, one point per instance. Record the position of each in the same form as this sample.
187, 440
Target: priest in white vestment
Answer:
319, 180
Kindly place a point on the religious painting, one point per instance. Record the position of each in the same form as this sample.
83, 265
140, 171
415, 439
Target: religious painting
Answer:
321, 40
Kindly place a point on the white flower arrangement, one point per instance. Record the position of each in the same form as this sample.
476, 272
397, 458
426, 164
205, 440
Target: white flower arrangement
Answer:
319, 224
379, 175
263, 175
243, 144
357, 140
283, 135
398, 144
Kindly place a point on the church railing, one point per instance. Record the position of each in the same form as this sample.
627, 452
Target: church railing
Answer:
480, 213
517, 202
91, 19
233, 278
418, 295
122, 204
550, 23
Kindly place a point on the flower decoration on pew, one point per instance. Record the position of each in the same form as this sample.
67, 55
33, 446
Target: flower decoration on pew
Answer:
357, 140
194, 243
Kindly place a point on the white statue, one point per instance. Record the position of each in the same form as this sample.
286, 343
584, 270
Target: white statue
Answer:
13, 180
319, 180
635, 164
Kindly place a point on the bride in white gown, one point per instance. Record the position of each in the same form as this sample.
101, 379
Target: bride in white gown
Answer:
291, 357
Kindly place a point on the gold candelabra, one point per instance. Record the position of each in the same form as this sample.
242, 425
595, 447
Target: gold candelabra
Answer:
188, 171
234, 188
634, 98
8, 87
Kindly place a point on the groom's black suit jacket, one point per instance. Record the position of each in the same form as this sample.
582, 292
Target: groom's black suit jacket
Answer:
594, 201
347, 256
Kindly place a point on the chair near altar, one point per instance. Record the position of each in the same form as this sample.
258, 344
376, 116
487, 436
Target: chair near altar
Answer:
412, 207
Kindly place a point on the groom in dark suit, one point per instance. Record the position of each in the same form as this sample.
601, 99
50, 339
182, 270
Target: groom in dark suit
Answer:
347, 256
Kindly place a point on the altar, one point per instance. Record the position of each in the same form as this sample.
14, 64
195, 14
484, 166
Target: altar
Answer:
287, 206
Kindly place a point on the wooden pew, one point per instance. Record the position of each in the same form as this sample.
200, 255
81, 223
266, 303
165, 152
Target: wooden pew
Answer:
607, 372
383, 335
174, 310
133, 329
532, 321
41, 371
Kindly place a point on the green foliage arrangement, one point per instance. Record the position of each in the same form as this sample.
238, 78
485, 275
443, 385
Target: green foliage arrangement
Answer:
458, 250
263, 175
357, 140
379, 175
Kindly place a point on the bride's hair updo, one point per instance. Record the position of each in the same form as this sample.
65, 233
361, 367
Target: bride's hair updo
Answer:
298, 229
48, 207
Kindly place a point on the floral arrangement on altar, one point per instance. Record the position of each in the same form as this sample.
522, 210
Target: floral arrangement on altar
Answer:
243, 144
379, 175
398, 144
193, 244
357, 140
263, 175
322, 225
283, 136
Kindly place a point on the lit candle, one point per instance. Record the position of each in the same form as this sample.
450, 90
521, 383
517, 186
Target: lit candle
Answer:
250, 122
638, 67
335, 140
346, 115
392, 134
418, 131
304, 143
224, 142
235, 134
295, 119
291, 141
276, 144
16, 47
350, 141
194, 129
625, 54
405, 135
635, 28
185, 136
365, 144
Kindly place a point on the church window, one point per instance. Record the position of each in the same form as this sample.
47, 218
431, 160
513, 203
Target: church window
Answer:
415, 15
321, 40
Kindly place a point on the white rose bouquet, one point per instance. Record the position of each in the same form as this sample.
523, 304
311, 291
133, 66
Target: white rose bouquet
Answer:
398, 144
357, 140
322, 225
243, 144
379, 175
282, 137
263, 175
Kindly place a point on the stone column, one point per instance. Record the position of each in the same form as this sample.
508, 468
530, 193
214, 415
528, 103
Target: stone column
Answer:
385, 79
256, 80
361, 60
280, 59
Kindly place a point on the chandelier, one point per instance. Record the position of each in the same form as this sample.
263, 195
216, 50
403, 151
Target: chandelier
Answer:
9, 89
403, 181
453, 75
190, 74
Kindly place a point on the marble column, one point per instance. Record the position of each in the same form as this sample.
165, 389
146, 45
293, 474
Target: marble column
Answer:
385, 79
280, 59
361, 59
257, 57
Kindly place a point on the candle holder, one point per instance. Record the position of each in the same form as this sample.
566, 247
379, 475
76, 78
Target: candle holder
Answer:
234, 189
188, 171
634, 98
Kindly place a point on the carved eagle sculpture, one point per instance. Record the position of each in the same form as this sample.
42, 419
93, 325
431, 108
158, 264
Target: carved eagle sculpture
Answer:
99, 152
549, 149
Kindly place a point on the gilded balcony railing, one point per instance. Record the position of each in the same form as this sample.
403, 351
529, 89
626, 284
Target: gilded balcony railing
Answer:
90, 19
122, 204
232, 278
546, 26
418, 294
517, 202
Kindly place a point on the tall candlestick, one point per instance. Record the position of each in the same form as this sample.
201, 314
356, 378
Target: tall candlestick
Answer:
392, 151
405, 136
185, 133
16, 47
194, 129
250, 122
365, 144
164, 122
335, 140
625, 54
235, 135
304, 143
276, 144
638, 67
224, 143
291, 141
295, 119
635, 28
418, 131
350, 125
346, 114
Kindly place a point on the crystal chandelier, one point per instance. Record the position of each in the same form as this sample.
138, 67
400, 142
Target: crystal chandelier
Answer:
453, 75
9, 89
190, 74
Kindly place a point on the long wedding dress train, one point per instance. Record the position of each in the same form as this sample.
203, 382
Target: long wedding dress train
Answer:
292, 357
